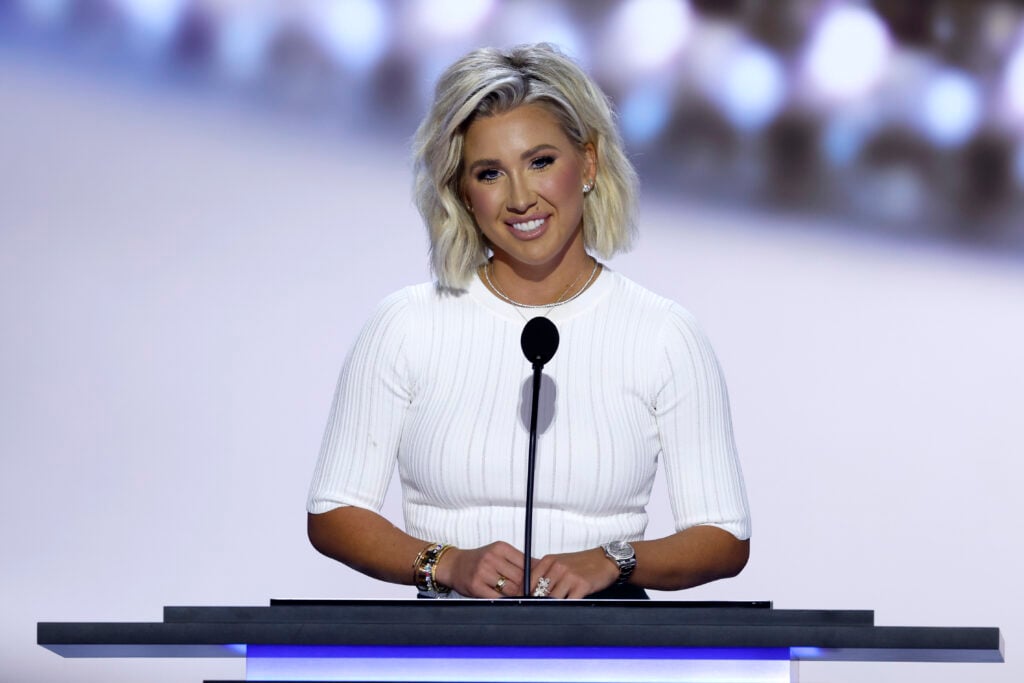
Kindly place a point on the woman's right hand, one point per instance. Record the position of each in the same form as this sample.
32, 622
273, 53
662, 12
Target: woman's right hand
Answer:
477, 573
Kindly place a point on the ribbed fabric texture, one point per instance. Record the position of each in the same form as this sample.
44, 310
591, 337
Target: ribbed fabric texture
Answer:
438, 384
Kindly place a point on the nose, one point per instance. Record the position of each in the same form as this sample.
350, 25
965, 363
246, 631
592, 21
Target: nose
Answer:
520, 195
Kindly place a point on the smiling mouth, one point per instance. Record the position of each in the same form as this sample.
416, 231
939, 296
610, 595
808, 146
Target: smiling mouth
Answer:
528, 226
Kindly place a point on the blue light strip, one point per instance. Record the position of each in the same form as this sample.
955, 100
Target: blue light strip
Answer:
516, 664
532, 652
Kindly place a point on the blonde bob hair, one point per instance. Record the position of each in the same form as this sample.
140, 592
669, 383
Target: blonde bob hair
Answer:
490, 81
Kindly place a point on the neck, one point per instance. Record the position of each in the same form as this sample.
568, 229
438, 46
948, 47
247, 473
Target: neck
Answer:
539, 284
549, 290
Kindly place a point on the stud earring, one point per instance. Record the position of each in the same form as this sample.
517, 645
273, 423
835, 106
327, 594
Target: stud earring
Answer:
587, 187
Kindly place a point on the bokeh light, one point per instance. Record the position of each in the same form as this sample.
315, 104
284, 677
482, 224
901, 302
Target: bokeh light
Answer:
355, 32
847, 53
154, 22
751, 88
646, 34
531, 21
644, 114
448, 19
1013, 83
242, 42
951, 110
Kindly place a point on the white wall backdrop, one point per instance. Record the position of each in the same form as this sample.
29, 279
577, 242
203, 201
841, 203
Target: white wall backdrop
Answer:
179, 284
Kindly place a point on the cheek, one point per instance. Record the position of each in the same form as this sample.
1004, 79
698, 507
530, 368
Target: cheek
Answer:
482, 199
568, 177
564, 186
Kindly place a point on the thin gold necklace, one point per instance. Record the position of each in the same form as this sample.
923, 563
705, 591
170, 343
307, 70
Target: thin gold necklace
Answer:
560, 301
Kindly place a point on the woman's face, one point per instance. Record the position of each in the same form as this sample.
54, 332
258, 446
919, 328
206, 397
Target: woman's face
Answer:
523, 181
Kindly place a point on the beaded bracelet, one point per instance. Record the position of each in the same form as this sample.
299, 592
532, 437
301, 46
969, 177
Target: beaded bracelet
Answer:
426, 565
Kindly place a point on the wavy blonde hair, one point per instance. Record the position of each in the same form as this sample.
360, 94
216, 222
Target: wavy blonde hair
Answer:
489, 81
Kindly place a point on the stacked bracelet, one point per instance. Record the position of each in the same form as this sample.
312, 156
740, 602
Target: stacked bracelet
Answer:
425, 567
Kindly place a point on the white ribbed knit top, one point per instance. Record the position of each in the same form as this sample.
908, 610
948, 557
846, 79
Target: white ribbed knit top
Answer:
438, 384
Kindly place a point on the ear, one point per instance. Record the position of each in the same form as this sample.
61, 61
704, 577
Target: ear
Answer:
589, 163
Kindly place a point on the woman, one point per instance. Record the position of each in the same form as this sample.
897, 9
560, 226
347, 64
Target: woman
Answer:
520, 178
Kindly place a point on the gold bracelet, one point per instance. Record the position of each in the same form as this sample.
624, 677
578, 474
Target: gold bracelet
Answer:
425, 566
439, 587
417, 567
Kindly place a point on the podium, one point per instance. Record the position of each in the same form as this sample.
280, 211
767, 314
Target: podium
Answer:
522, 640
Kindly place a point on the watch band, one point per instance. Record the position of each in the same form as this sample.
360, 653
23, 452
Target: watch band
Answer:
623, 555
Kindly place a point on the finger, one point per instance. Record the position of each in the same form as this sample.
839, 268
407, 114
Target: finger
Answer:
513, 573
514, 585
542, 586
542, 567
490, 576
505, 586
515, 560
512, 588
501, 560
508, 551
562, 587
554, 570
578, 592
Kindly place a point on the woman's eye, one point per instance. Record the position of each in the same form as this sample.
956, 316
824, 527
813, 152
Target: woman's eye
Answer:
487, 175
542, 162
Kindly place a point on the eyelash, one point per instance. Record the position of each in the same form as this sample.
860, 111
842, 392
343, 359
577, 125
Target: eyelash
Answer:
542, 162
489, 175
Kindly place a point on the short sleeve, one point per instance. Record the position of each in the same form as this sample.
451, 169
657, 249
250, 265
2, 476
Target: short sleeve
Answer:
702, 468
364, 428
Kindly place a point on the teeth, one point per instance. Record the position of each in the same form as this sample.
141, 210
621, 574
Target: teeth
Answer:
529, 226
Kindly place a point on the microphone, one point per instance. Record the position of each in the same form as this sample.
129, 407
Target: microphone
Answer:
539, 342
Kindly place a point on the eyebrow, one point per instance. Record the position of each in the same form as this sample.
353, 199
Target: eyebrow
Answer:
525, 155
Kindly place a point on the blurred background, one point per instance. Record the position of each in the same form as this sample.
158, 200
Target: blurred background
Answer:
902, 116
202, 200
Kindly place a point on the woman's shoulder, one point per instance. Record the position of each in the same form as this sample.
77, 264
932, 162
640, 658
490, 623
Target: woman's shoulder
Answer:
415, 305
666, 324
643, 302
421, 296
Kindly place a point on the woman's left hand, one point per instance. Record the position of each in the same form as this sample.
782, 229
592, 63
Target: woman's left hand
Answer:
574, 575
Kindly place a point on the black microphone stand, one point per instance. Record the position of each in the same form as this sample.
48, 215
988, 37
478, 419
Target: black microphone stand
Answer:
531, 462
539, 342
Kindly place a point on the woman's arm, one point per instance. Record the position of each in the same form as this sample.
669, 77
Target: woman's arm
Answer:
689, 558
371, 544
365, 541
685, 559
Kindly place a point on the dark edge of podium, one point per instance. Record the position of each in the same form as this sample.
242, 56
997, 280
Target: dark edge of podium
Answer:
829, 635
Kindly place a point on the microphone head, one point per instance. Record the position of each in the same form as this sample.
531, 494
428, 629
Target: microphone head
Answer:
539, 341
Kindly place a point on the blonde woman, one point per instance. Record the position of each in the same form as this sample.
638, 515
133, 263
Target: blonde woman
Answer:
523, 185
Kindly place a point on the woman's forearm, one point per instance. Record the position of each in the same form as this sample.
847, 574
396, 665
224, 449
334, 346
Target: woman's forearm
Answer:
365, 541
689, 558
372, 545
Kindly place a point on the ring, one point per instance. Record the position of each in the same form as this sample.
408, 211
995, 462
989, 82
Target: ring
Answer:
501, 583
543, 587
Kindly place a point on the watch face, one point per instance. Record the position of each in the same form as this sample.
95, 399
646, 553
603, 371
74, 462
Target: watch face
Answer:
620, 550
